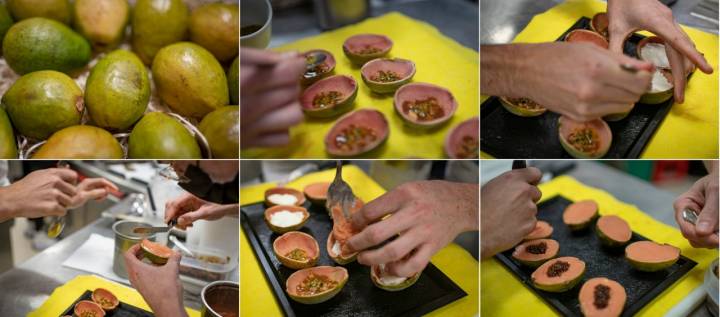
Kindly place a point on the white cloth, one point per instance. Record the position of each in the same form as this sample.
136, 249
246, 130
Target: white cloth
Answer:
95, 256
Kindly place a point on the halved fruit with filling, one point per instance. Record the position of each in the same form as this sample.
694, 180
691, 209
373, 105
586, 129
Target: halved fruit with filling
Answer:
107, 300
652, 49
86, 308
382, 279
585, 36
423, 105
523, 107
296, 250
602, 297
613, 231
321, 70
649, 256
386, 75
558, 275
316, 193
281, 219
463, 142
588, 140
579, 215
600, 23
362, 48
542, 230
533, 253
316, 284
341, 232
283, 196
329, 97
155, 252
356, 133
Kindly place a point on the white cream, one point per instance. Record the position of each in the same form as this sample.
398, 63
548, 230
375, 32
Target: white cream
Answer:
336, 248
285, 218
660, 82
389, 280
655, 53
283, 199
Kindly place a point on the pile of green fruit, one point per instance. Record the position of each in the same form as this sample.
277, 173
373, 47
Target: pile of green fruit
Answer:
191, 58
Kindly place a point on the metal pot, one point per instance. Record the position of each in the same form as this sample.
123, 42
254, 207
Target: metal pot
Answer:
220, 299
124, 239
256, 13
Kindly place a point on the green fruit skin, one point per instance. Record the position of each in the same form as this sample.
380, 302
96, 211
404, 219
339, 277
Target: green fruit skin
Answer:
519, 111
41, 103
584, 225
650, 267
43, 44
536, 263
189, 79
559, 288
359, 60
654, 98
215, 26
8, 146
395, 288
616, 116
80, 142
117, 91
233, 78
59, 10
159, 136
221, 128
156, 24
154, 258
317, 299
102, 22
6, 21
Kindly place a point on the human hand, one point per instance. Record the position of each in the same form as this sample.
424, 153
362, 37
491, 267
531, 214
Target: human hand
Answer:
703, 198
628, 16
427, 215
159, 285
269, 93
509, 209
188, 209
91, 188
41, 193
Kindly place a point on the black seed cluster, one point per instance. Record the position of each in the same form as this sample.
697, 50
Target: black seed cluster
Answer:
558, 268
539, 248
602, 296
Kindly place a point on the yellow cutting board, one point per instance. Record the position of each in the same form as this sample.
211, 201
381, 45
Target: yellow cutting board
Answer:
439, 60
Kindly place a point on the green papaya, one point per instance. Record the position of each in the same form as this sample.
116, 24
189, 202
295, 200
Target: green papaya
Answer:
80, 142
156, 24
117, 91
159, 136
102, 22
8, 146
189, 79
6, 21
233, 78
58, 10
221, 128
43, 102
215, 26
43, 44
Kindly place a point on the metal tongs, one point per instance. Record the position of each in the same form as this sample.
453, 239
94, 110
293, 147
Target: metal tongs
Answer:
312, 61
340, 192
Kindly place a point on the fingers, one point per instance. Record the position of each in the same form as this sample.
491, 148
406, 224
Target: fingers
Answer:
187, 219
63, 199
98, 183
283, 74
678, 39
65, 174
97, 194
254, 56
708, 220
531, 175
393, 251
636, 83
388, 203
278, 119
377, 233
275, 139
65, 187
416, 263
254, 106
677, 65
617, 41
131, 255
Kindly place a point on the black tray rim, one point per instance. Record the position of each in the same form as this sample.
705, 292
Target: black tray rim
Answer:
671, 279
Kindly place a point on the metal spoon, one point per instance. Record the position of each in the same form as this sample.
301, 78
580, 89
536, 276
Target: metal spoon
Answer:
691, 216
181, 246
315, 58
340, 192
57, 223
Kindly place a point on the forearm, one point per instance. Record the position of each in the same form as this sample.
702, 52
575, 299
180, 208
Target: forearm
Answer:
502, 69
230, 210
472, 193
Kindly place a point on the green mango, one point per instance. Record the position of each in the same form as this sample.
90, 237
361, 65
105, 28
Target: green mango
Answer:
189, 79
233, 78
117, 91
102, 22
80, 142
156, 24
43, 44
6, 21
215, 26
159, 136
58, 10
43, 102
8, 146
221, 128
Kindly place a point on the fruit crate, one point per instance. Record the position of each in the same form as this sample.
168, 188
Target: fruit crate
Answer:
505, 135
641, 287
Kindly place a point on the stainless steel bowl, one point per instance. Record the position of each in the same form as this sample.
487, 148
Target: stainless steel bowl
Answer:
220, 299
124, 239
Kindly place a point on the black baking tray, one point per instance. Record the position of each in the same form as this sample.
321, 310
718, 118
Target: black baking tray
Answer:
359, 296
641, 287
505, 135
123, 309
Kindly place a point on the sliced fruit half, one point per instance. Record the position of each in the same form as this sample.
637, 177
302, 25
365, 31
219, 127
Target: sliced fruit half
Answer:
585, 36
281, 219
423, 105
105, 299
356, 133
296, 250
579, 215
542, 230
559, 275
283, 196
362, 48
649, 256
600, 23
523, 107
386, 75
383, 279
602, 297
155, 252
329, 97
316, 284
613, 231
534, 253
86, 308
316, 193
587, 140
321, 70
652, 49
463, 142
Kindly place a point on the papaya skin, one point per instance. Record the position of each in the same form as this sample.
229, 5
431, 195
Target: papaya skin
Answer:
8, 146
117, 91
189, 79
41, 103
6, 21
215, 27
375, 278
335, 273
80, 142
158, 135
221, 128
102, 22
296, 240
43, 44
156, 24
59, 10
652, 248
233, 78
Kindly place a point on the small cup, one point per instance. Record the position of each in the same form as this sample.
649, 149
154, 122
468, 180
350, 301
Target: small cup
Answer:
256, 18
220, 299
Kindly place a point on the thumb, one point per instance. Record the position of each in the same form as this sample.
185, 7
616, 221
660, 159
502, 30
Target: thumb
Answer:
635, 63
708, 219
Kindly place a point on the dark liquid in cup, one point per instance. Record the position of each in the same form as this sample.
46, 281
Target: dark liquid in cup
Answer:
250, 29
